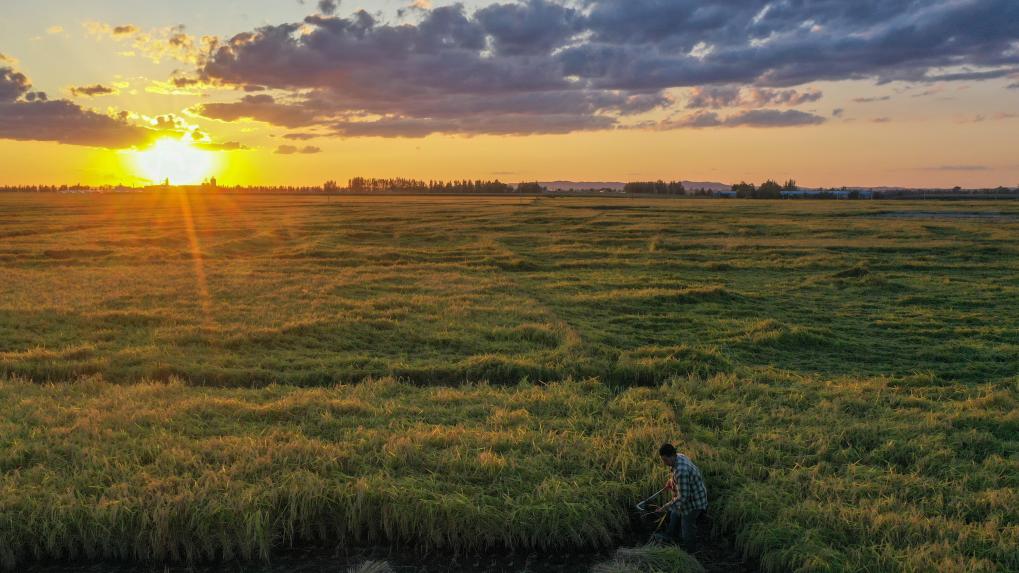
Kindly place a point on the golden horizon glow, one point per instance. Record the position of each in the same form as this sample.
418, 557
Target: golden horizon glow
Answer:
176, 160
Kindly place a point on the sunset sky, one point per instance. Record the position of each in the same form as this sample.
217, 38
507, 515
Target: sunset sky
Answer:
829, 92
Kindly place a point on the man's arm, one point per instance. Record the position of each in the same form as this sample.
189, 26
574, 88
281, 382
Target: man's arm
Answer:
677, 493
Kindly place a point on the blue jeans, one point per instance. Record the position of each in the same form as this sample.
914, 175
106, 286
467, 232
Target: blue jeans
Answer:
683, 527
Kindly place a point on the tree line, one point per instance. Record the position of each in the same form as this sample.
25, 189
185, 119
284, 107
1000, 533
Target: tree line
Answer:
371, 185
770, 189
655, 187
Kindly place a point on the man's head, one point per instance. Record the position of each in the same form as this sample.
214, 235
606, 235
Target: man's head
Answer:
668, 454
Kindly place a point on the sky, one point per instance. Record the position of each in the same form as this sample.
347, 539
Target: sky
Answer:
276, 92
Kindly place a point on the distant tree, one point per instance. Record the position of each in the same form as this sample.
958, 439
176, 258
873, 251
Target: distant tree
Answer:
790, 185
768, 190
854, 194
655, 187
744, 190
330, 186
530, 187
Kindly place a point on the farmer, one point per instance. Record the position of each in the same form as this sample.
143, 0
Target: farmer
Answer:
690, 498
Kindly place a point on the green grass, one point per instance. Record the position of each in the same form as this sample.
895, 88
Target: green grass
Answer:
155, 471
847, 381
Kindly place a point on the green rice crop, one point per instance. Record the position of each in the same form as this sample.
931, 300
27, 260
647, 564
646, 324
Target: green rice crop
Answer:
846, 376
156, 471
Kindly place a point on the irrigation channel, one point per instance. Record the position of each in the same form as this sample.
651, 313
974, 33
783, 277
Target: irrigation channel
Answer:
717, 555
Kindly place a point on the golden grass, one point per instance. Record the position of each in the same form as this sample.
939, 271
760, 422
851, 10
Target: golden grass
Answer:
846, 380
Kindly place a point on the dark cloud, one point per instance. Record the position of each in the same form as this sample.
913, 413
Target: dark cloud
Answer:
514, 67
748, 118
652, 43
837, 112
791, 98
124, 30
328, 6
773, 118
184, 82
92, 91
871, 99
969, 76
261, 107
436, 75
717, 97
291, 150
301, 136
13, 84
531, 27
714, 97
66, 122
30, 116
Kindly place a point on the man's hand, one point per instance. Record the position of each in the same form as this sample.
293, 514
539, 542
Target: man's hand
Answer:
667, 506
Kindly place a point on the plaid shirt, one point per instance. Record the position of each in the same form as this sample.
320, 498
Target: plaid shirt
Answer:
689, 484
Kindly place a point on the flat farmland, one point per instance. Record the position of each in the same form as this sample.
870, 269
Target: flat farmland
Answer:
203, 376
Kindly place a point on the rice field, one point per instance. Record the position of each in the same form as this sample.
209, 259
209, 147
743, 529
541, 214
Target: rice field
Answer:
201, 377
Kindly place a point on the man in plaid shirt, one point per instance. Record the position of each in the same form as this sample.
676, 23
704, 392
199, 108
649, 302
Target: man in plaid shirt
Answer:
690, 498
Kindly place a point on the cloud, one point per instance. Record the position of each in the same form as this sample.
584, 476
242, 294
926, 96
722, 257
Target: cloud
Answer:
65, 122
763, 96
969, 75
291, 150
92, 91
748, 118
157, 44
596, 64
13, 84
717, 97
773, 118
30, 116
503, 124
262, 107
27, 115
694, 120
54, 30
871, 99
837, 112
651, 43
328, 6
358, 77
714, 97
301, 136
533, 27
228, 146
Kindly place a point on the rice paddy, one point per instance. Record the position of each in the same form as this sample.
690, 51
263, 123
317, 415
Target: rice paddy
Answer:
204, 377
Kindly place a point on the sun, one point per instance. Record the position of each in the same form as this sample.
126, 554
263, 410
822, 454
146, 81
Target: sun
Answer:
175, 160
